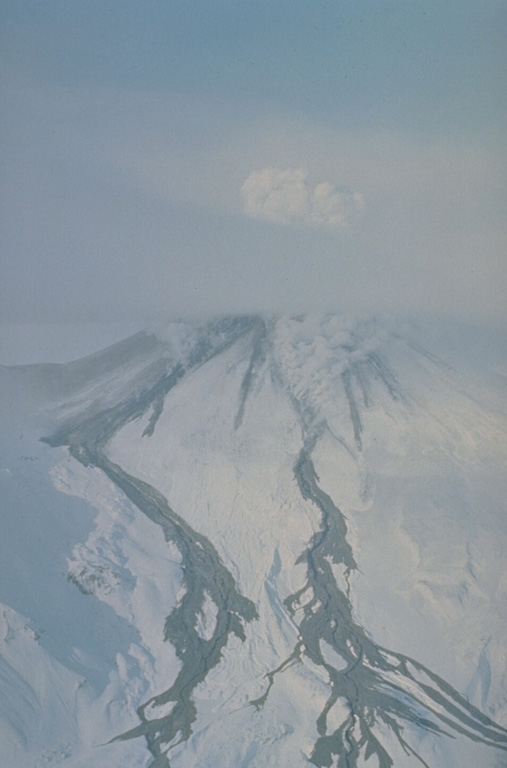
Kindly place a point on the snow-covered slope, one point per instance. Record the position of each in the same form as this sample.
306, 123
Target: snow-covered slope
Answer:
254, 543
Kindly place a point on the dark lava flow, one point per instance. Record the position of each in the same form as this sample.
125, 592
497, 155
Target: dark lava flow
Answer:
203, 572
374, 684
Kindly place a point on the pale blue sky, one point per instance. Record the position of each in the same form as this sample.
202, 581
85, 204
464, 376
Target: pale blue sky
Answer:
130, 129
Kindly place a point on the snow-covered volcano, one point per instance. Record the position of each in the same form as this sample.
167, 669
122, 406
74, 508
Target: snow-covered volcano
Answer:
254, 543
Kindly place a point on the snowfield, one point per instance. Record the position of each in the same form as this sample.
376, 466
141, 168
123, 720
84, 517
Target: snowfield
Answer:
255, 542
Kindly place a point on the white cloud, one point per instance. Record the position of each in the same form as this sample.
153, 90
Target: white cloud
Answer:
116, 183
287, 197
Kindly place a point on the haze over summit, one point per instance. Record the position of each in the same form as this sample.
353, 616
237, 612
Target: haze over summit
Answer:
223, 158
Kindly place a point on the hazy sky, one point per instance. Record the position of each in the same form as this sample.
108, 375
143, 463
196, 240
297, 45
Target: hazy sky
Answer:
165, 158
